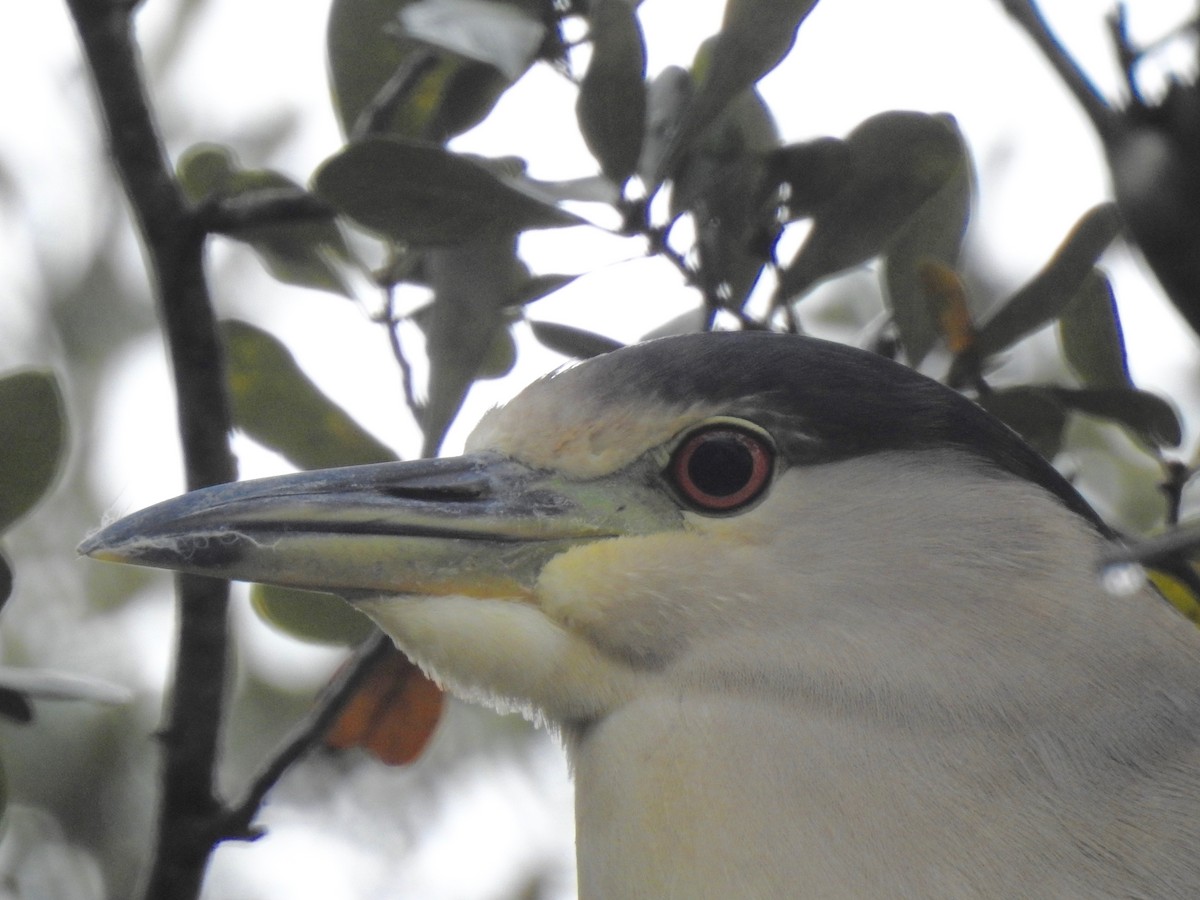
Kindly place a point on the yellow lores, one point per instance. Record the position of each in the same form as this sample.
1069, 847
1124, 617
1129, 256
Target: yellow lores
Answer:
808, 623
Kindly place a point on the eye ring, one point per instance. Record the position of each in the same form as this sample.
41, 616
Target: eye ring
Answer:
722, 467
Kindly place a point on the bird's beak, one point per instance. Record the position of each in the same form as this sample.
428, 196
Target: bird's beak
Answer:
480, 525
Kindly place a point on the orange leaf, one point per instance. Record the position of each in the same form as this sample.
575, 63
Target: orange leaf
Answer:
947, 297
393, 714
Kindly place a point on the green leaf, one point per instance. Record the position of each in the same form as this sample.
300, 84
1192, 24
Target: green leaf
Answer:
1038, 413
363, 57
898, 163
466, 326
691, 322
33, 423
385, 81
755, 36
540, 286
309, 615
1044, 297
571, 341
275, 403
722, 184
1035, 413
585, 189
612, 98
812, 171
1090, 332
745, 135
933, 234
423, 194
500, 357
666, 98
309, 253
1146, 416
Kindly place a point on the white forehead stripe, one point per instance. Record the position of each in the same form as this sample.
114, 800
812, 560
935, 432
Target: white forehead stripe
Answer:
569, 423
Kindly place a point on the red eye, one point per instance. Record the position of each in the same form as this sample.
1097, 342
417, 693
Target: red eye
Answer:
722, 468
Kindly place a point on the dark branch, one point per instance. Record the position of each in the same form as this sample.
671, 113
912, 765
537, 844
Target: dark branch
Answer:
190, 813
1105, 119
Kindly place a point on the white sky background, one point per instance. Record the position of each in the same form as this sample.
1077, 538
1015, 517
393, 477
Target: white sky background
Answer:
1040, 168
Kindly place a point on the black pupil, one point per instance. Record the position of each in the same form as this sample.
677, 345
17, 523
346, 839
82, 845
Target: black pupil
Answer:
720, 466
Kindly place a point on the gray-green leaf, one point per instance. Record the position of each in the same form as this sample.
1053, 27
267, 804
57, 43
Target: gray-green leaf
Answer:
612, 98
466, 326
275, 403
1044, 297
310, 615
1147, 416
33, 422
1035, 413
755, 36
387, 82
309, 253
571, 341
1090, 332
933, 233
423, 194
898, 161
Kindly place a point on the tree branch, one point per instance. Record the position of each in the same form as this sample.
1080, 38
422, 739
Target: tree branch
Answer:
190, 814
1104, 118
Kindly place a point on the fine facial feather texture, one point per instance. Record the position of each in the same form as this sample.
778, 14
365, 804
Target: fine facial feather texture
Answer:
821, 400
896, 674
916, 652
907, 730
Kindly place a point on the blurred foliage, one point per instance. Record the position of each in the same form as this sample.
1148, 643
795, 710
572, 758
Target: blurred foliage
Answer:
309, 253
310, 615
34, 426
692, 164
275, 403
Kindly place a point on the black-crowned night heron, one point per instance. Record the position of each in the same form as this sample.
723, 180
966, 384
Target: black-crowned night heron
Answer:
809, 624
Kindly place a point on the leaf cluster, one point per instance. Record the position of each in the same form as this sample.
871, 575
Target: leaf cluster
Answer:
692, 165
696, 145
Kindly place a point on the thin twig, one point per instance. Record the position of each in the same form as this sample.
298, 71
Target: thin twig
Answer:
390, 322
189, 812
1182, 540
305, 736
